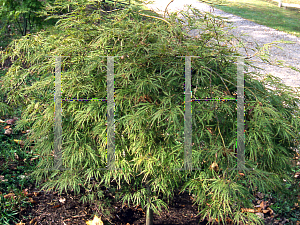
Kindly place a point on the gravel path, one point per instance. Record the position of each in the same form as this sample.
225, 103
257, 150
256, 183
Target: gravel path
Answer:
255, 35
252, 35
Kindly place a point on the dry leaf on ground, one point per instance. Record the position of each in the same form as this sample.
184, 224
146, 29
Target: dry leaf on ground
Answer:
95, 221
9, 195
8, 131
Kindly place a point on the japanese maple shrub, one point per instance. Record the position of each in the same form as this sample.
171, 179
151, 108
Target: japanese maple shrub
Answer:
149, 110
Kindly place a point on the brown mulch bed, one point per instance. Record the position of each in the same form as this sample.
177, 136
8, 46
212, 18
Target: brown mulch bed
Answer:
66, 209
47, 209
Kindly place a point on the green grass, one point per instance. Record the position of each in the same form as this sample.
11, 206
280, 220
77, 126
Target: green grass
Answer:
291, 1
264, 12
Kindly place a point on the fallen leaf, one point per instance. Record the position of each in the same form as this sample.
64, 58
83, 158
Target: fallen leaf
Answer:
248, 210
2, 178
20, 223
95, 221
32, 221
16, 156
257, 208
20, 142
25, 192
9, 195
6, 127
270, 210
214, 166
263, 205
261, 215
260, 195
1, 121
32, 201
8, 131
36, 193
62, 200
11, 121
266, 211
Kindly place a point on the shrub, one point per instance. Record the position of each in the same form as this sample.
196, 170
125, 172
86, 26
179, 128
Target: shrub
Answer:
149, 105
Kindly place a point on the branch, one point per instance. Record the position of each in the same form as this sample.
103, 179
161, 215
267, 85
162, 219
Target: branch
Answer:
155, 18
166, 9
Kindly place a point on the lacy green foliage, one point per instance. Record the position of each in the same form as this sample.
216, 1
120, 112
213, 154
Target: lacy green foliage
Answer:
5, 109
149, 107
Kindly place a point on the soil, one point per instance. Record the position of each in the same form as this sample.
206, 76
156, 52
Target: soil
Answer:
47, 209
50, 207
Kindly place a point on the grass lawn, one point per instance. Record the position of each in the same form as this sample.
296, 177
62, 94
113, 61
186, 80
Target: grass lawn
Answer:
291, 1
264, 12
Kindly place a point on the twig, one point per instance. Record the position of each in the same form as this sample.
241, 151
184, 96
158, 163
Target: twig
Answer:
110, 11
154, 17
220, 131
78, 216
166, 9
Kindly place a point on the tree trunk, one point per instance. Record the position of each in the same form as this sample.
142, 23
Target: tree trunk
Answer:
149, 216
24, 24
149, 211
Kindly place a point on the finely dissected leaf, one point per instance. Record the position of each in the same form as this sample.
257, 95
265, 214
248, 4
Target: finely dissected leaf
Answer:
149, 110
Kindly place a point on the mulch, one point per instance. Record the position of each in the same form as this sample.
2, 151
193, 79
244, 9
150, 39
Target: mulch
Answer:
47, 208
50, 207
